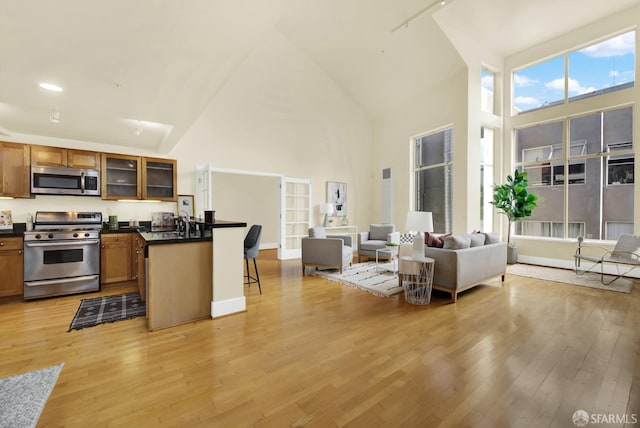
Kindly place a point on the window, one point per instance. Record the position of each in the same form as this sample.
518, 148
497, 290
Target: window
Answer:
552, 173
486, 179
486, 87
551, 229
620, 167
433, 166
538, 86
598, 189
600, 68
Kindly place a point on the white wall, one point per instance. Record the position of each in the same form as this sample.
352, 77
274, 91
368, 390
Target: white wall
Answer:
444, 105
279, 113
253, 198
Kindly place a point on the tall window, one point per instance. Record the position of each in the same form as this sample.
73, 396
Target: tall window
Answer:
594, 168
486, 179
486, 87
433, 166
602, 67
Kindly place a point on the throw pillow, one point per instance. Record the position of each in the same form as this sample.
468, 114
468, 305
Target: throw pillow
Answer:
458, 242
491, 238
477, 239
406, 238
435, 239
317, 232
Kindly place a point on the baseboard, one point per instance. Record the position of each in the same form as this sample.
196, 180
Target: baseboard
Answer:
268, 245
568, 264
228, 307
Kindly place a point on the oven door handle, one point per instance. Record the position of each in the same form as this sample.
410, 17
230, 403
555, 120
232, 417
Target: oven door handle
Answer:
60, 281
61, 244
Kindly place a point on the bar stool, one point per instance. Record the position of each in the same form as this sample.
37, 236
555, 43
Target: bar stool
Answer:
251, 247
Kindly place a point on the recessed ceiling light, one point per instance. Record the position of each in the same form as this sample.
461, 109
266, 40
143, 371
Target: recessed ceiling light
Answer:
50, 87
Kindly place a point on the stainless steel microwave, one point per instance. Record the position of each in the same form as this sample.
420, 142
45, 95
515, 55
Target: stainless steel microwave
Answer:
50, 180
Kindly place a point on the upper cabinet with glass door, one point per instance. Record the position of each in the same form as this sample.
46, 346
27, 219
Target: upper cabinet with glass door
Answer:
159, 179
121, 177
135, 177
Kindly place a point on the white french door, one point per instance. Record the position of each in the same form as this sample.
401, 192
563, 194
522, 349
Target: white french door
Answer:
296, 216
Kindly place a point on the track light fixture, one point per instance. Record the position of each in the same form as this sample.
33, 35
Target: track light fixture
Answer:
427, 8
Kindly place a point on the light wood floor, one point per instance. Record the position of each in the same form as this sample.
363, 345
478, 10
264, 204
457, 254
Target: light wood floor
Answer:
309, 352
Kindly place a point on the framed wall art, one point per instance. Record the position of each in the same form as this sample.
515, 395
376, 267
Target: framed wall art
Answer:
185, 205
337, 195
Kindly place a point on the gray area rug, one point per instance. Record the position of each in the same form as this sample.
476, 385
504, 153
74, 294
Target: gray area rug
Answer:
99, 310
567, 276
22, 397
364, 277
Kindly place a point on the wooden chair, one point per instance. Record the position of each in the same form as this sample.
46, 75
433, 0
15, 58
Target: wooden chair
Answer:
624, 256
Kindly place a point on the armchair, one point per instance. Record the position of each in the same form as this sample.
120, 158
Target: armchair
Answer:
378, 236
625, 256
328, 251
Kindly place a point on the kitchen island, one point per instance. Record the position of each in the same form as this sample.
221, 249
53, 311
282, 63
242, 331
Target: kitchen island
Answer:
195, 277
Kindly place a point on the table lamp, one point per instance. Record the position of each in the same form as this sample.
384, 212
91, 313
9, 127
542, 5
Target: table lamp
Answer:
419, 222
326, 209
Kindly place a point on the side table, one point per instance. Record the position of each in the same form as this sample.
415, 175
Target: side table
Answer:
417, 284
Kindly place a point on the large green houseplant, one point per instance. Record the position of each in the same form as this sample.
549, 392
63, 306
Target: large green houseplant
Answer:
516, 203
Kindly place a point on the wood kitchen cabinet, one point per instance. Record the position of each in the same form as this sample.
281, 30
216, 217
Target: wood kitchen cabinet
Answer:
11, 266
115, 258
138, 268
159, 179
56, 156
14, 170
135, 177
121, 177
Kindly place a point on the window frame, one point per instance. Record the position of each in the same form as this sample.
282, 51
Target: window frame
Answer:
568, 98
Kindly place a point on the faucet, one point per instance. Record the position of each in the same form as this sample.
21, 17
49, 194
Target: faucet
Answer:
187, 229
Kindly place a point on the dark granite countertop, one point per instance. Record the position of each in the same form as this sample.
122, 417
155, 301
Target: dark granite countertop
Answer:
173, 237
17, 232
151, 237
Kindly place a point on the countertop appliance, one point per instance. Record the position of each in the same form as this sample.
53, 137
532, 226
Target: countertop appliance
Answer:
51, 180
62, 254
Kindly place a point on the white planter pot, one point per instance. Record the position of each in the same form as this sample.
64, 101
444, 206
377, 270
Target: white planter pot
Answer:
512, 255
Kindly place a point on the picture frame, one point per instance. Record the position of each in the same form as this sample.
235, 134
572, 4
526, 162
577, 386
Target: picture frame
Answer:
185, 206
337, 195
6, 222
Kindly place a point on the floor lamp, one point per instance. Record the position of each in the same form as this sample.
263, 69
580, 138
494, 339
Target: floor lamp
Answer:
419, 222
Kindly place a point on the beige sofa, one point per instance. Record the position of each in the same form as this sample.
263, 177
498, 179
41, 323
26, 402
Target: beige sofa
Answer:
456, 270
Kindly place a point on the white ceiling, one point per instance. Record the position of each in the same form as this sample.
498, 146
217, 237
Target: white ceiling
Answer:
162, 61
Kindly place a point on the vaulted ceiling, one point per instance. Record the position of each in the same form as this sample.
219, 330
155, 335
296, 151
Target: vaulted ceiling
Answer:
157, 63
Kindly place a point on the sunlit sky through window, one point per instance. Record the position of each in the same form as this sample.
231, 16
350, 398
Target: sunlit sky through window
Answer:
604, 65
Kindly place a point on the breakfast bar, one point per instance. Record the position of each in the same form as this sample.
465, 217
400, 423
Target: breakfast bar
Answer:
191, 278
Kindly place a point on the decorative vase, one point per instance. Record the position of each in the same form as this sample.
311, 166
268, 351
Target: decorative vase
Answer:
418, 246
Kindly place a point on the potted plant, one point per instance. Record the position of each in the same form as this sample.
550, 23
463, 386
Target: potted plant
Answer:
516, 203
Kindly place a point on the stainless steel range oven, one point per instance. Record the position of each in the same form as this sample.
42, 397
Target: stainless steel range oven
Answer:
62, 254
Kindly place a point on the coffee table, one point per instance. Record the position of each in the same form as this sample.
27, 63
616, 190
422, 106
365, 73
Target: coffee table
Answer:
390, 253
